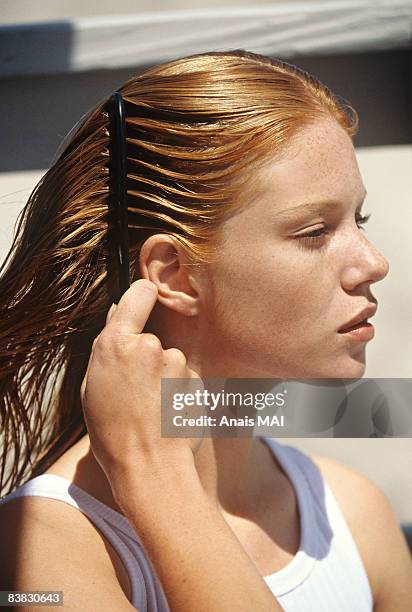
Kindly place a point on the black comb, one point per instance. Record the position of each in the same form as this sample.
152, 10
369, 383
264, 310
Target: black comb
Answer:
118, 189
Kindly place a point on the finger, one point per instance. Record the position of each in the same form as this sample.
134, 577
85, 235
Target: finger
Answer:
111, 311
134, 307
174, 356
84, 381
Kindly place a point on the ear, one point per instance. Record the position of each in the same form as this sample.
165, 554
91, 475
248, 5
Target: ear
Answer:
164, 262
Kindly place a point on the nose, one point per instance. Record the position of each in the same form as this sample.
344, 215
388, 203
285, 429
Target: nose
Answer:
364, 264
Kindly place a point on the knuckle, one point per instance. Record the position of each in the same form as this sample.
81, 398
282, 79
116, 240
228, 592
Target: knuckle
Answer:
112, 343
176, 356
150, 343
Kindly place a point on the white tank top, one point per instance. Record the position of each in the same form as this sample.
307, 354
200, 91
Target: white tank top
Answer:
325, 575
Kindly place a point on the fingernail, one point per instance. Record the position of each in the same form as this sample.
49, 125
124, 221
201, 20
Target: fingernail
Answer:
110, 313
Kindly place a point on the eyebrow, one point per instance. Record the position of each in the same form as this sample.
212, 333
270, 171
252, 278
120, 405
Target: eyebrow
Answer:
313, 208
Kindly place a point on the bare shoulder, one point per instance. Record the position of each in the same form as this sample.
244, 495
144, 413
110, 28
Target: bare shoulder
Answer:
376, 531
52, 546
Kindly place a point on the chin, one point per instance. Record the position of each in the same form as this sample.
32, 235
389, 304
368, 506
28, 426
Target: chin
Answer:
346, 367
352, 367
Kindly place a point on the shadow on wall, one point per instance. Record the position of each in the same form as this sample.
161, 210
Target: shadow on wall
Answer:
38, 111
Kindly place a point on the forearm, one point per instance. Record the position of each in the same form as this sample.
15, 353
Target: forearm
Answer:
198, 559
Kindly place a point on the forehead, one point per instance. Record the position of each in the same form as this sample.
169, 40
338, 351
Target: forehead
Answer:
318, 164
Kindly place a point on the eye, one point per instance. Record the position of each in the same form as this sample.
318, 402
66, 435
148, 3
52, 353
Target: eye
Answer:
316, 237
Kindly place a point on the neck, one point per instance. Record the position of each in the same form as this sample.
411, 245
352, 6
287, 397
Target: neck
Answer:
235, 473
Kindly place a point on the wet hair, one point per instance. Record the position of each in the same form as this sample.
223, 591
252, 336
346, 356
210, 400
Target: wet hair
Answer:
198, 128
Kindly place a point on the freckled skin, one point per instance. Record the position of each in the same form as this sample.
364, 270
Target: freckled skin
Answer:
281, 305
271, 306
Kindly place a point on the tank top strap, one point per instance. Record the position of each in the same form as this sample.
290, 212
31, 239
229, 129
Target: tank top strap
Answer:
331, 538
113, 525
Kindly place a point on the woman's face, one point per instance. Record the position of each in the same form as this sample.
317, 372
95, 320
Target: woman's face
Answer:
278, 296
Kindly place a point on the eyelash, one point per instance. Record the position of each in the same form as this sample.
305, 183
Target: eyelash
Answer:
313, 237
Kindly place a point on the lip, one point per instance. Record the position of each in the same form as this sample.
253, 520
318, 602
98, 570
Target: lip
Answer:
361, 317
362, 333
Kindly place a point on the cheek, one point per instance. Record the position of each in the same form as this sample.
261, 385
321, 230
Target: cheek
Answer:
253, 295
266, 297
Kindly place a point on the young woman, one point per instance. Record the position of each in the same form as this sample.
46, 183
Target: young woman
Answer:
247, 260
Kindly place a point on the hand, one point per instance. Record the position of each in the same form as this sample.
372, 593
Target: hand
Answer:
121, 390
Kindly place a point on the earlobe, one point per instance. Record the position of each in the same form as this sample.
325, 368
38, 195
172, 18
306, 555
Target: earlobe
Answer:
163, 261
